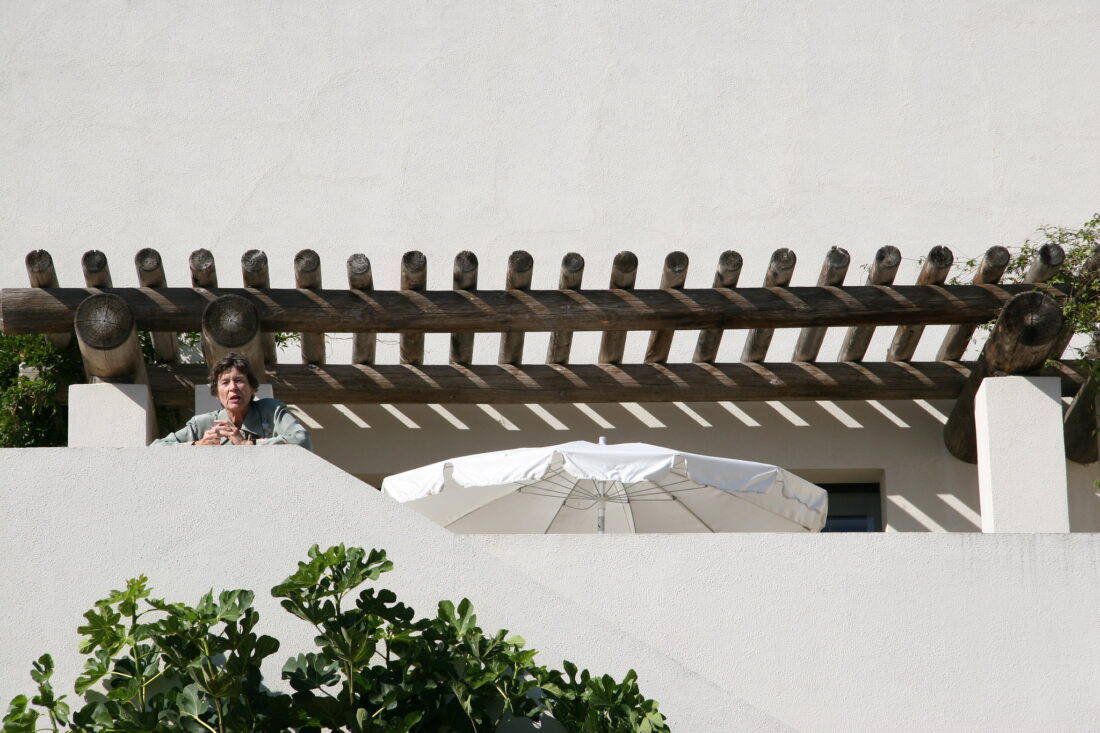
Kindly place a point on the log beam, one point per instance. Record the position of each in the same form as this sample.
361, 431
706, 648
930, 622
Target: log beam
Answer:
107, 336
833, 270
414, 279
932, 272
41, 274
96, 272
361, 278
780, 269
624, 271
725, 276
1019, 344
990, 269
50, 310
150, 272
307, 276
518, 280
883, 270
572, 270
255, 275
231, 324
465, 278
595, 383
673, 277
204, 271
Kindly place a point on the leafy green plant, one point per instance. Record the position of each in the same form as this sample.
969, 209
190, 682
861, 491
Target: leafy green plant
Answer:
154, 665
30, 414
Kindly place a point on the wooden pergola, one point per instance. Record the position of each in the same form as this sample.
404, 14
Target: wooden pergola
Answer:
1028, 333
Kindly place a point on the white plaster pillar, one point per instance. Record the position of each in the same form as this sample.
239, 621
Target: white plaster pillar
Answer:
108, 415
1021, 455
206, 402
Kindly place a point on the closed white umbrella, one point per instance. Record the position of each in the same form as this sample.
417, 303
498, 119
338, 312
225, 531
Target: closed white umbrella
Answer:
583, 487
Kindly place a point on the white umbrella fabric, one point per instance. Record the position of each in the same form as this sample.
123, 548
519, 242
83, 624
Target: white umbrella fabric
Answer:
583, 487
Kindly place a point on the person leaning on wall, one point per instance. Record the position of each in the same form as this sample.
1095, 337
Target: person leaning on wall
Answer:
243, 419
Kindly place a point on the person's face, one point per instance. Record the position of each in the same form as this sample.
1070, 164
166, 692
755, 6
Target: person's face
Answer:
234, 391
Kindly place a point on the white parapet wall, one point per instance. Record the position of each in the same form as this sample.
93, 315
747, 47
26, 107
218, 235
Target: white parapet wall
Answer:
729, 632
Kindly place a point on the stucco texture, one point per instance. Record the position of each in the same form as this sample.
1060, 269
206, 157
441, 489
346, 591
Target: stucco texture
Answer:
728, 632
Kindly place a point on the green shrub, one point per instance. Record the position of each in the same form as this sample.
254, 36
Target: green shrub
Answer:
30, 413
154, 665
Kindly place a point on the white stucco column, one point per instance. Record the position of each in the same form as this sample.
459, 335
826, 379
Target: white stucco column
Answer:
105, 415
1021, 455
206, 402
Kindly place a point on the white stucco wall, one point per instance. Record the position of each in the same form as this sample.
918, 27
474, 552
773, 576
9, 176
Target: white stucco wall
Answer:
580, 125
586, 126
729, 632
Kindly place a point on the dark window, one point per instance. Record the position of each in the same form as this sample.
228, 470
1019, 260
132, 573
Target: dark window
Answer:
853, 508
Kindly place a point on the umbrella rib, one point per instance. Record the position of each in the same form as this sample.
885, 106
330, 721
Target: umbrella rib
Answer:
688, 510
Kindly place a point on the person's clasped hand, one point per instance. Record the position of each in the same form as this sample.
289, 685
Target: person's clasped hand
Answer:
226, 429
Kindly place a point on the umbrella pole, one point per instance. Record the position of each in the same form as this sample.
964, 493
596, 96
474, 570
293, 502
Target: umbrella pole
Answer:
600, 509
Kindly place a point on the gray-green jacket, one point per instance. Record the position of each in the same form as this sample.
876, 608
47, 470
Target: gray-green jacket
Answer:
268, 422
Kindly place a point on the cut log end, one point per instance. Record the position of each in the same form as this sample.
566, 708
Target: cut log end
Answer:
572, 262
888, 257
837, 258
104, 321
465, 262
783, 259
940, 257
520, 261
1031, 319
39, 261
625, 262
306, 261
997, 256
231, 321
254, 261
201, 260
147, 260
93, 261
676, 262
414, 261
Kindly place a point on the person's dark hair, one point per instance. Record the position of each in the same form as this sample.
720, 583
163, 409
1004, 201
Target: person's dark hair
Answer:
227, 362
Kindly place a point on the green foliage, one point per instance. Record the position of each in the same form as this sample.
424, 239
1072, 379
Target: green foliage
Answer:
154, 665
30, 414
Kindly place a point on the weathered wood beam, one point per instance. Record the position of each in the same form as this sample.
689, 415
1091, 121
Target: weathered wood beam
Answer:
230, 324
150, 272
1084, 286
520, 267
932, 272
204, 272
594, 383
726, 275
1019, 344
414, 279
624, 271
50, 310
990, 269
465, 278
572, 270
96, 272
883, 270
1048, 261
780, 269
833, 270
307, 276
255, 275
107, 335
1080, 422
361, 278
41, 274
673, 277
